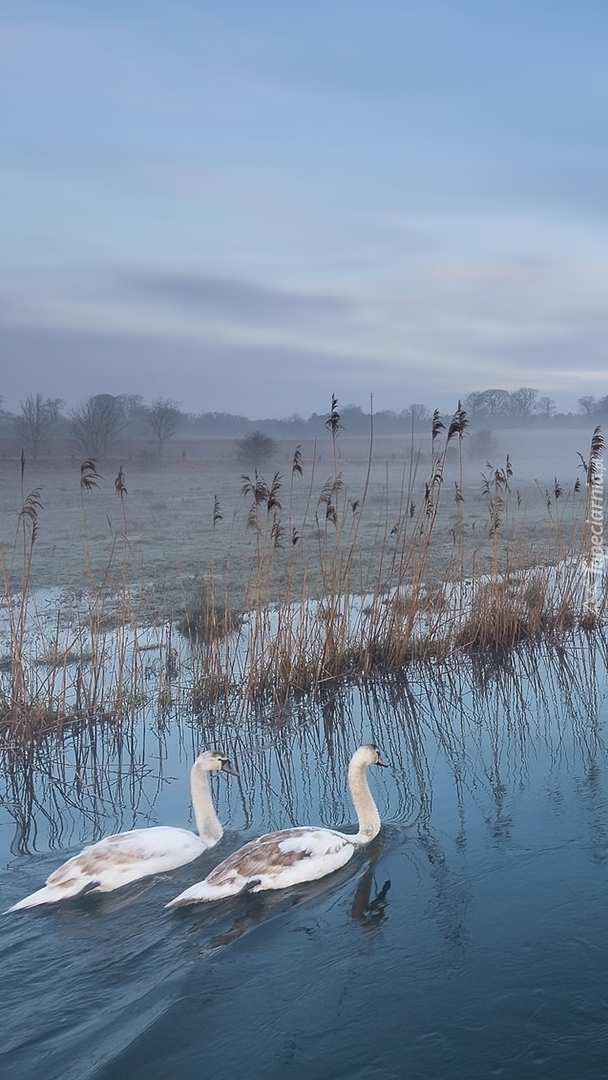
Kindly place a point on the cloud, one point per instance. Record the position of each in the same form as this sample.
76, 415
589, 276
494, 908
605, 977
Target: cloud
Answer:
231, 299
254, 381
261, 380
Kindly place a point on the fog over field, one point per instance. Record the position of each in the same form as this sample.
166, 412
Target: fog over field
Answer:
170, 501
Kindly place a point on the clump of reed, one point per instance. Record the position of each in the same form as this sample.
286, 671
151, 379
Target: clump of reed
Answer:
338, 616
203, 622
87, 661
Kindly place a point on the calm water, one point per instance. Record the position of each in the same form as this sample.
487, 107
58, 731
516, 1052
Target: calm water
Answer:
471, 939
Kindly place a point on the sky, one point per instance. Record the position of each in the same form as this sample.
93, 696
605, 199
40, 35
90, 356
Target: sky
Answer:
247, 206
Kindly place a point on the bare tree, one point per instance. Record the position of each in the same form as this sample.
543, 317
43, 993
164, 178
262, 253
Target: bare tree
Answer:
96, 423
132, 404
588, 404
545, 406
417, 414
34, 425
163, 418
135, 412
523, 402
488, 403
473, 402
496, 401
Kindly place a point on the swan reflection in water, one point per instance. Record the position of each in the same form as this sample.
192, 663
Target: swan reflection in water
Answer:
367, 910
368, 906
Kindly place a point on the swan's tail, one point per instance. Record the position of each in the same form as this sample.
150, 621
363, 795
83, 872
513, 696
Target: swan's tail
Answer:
51, 894
196, 894
204, 891
42, 896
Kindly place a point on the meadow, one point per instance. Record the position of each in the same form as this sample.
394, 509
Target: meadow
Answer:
197, 579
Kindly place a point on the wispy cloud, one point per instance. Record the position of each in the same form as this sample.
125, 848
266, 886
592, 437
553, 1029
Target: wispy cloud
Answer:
203, 375
237, 300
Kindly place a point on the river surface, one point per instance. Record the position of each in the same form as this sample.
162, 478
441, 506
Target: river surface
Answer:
470, 940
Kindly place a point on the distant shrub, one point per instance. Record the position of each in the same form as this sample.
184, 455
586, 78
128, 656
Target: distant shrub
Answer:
482, 445
255, 448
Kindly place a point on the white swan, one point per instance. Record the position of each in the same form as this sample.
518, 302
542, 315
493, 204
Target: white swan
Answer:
125, 857
291, 856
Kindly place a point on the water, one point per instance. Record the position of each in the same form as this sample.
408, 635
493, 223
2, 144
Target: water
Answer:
469, 941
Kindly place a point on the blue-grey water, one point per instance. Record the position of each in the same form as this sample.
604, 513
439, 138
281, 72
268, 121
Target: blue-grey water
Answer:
469, 941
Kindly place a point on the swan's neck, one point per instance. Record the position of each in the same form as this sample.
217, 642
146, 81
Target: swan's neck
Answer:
367, 811
207, 822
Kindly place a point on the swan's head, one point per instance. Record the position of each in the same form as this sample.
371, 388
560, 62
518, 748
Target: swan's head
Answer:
214, 759
369, 754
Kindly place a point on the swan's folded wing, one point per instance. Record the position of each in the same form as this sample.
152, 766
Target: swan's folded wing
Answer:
273, 861
137, 853
280, 853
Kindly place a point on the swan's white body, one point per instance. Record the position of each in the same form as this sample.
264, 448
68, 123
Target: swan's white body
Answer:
125, 857
292, 856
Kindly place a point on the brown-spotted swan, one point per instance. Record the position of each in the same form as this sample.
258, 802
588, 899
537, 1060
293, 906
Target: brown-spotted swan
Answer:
125, 857
291, 856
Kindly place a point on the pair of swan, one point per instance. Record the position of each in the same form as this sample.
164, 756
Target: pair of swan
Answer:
273, 861
292, 856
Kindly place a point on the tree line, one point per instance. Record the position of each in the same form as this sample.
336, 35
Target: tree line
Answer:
99, 423
93, 427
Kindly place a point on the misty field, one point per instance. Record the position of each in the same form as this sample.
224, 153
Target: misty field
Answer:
338, 557
172, 542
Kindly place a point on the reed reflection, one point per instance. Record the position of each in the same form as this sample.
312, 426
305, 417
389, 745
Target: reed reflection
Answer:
468, 730
85, 783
